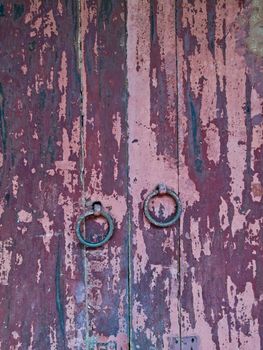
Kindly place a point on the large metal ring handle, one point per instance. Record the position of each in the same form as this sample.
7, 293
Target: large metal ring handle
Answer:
95, 211
160, 190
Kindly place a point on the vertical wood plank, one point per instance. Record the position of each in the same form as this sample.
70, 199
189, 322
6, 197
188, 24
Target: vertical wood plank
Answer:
41, 274
103, 40
220, 108
152, 120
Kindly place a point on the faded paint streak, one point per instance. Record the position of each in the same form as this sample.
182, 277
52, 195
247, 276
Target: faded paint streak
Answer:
50, 25
62, 84
152, 120
104, 135
5, 260
47, 225
220, 225
39, 106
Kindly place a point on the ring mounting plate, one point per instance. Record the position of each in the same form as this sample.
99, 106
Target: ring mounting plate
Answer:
185, 343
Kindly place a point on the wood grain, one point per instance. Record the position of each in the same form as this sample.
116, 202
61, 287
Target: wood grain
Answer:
220, 178
101, 101
41, 278
103, 42
152, 120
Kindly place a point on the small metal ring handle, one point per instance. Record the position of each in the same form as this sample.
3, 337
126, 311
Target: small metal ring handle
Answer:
96, 211
162, 189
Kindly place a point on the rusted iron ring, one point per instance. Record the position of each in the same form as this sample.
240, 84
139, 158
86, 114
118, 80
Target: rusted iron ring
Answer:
95, 211
160, 190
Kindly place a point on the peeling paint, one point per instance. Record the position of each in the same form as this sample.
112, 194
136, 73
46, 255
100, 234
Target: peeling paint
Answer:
15, 185
111, 109
152, 144
24, 216
62, 84
5, 260
38, 78
50, 25
47, 225
220, 200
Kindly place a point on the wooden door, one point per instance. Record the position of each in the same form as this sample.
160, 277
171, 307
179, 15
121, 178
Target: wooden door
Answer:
41, 183
220, 139
63, 144
102, 101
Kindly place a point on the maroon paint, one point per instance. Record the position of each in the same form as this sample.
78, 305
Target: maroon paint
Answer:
41, 305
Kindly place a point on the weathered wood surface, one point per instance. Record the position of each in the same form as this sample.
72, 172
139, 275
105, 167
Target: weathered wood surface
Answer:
220, 62
103, 100
63, 122
103, 74
220, 92
152, 120
41, 272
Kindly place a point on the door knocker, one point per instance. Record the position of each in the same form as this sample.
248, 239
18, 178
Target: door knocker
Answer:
160, 190
97, 210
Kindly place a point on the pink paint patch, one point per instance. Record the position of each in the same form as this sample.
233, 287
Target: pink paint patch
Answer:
47, 226
15, 185
62, 84
5, 260
50, 25
24, 216
24, 69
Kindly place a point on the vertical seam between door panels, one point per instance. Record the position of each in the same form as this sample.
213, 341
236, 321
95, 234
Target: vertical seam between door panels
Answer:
82, 153
128, 198
178, 172
129, 277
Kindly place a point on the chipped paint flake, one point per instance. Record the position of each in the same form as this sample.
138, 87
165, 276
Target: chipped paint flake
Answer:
5, 260
47, 225
15, 185
39, 270
50, 26
24, 216
62, 84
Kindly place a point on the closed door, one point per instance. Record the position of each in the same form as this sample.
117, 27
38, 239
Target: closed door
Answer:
101, 102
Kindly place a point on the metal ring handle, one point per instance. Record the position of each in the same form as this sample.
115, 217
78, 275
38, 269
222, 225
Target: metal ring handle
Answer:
162, 189
96, 211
